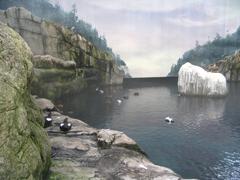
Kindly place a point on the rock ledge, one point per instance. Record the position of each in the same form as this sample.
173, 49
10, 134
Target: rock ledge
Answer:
89, 153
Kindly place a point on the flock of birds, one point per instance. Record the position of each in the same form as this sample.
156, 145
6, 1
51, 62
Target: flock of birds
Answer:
118, 100
65, 126
168, 119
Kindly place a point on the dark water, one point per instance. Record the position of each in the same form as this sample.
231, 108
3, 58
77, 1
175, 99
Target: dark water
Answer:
204, 141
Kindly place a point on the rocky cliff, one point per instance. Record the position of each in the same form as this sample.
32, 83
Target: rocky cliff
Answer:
24, 147
229, 67
54, 46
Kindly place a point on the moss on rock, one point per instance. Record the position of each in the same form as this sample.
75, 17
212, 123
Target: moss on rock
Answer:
24, 147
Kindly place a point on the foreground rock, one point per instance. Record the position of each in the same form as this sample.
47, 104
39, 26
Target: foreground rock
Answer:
89, 153
24, 145
229, 67
193, 80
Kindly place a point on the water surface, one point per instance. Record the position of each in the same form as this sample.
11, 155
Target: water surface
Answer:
204, 141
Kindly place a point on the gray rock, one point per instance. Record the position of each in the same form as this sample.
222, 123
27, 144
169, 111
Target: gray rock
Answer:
47, 61
44, 104
79, 154
229, 66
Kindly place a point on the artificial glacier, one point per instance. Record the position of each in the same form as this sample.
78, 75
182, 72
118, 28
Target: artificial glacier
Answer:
194, 80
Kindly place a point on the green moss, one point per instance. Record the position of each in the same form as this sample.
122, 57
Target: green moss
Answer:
24, 147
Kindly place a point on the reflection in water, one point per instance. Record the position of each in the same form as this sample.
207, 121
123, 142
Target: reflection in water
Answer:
202, 143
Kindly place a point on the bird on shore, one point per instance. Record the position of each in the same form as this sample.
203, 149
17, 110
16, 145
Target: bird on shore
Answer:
65, 126
169, 120
48, 120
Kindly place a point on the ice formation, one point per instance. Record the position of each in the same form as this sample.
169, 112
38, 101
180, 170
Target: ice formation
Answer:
194, 80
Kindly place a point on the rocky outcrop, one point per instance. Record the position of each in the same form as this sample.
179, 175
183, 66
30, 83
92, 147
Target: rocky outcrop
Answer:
88, 153
194, 80
61, 52
229, 67
24, 145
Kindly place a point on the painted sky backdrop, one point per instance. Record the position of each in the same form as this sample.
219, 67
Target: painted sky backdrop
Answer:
150, 35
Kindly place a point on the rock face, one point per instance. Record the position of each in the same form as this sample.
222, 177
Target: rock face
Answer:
89, 153
229, 67
193, 80
59, 52
24, 149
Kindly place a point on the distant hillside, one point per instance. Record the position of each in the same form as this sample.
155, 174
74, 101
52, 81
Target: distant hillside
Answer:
54, 13
209, 53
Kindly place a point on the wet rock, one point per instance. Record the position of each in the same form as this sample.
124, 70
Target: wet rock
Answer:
89, 153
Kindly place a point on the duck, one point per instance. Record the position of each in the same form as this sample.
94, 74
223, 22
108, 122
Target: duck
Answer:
65, 126
119, 101
125, 97
101, 91
136, 94
169, 120
48, 120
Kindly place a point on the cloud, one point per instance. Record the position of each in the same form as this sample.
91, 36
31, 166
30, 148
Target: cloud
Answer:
151, 35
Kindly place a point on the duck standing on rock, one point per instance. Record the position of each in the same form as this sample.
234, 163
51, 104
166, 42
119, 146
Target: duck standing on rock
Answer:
65, 126
48, 120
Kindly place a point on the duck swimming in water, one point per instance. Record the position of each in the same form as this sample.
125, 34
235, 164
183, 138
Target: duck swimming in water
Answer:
169, 120
48, 120
136, 94
125, 97
65, 126
119, 101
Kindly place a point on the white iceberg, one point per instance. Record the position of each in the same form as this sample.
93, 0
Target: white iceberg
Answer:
194, 80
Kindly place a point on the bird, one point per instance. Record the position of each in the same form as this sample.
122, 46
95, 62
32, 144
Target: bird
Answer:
119, 101
169, 120
136, 94
125, 97
101, 91
97, 89
65, 126
48, 120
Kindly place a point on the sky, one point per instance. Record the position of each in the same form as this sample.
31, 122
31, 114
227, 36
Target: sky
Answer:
151, 35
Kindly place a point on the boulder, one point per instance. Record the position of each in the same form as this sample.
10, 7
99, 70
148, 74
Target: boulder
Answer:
25, 149
107, 138
194, 80
44, 104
